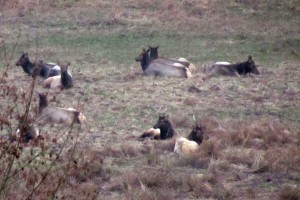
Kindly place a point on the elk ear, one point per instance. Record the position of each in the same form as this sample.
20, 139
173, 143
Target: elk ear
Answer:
45, 93
76, 113
250, 58
161, 116
76, 117
65, 66
42, 93
145, 50
40, 63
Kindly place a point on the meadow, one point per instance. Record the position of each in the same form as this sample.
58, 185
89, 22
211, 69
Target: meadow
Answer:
253, 121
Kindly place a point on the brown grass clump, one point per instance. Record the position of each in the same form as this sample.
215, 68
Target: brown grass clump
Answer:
209, 186
191, 101
153, 158
234, 137
210, 124
261, 134
211, 148
200, 186
129, 150
149, 183
255, 144
86, 165
195, 160
289, 193
86, 190
271, 132
285, 159
240, 156
40, 176
182, 122
111, 152
167, 145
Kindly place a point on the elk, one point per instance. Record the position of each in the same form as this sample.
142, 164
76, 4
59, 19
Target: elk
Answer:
161, 69
163, 129
44, 70
56, 115
62, 81
171, 61
242, 68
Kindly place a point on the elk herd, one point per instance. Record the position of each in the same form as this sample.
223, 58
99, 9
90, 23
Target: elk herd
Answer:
153, 65
54, 77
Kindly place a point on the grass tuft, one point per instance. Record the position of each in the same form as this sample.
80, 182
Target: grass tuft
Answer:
289, 193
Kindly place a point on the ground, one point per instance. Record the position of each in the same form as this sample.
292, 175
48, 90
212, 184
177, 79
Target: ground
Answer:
253, 122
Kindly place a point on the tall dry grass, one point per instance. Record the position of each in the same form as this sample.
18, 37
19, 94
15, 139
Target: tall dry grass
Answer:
251, 152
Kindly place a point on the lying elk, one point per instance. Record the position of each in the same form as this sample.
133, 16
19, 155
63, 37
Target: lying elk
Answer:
170, 61
55, 115
161, 69
242, 68
62, 81
44, 70
163, 129
191, 144
185, 147
198, 134
23, 134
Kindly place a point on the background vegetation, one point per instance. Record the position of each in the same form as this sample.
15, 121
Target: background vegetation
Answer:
253, 122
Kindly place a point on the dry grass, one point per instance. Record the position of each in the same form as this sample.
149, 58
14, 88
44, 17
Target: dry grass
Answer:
222, 158
290, 193
252, 122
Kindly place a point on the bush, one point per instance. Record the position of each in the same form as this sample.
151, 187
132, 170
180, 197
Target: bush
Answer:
33, 164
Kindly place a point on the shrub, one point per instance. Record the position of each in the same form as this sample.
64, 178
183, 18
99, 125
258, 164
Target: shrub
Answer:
37, 166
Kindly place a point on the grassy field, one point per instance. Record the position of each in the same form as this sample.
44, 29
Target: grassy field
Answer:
253, 121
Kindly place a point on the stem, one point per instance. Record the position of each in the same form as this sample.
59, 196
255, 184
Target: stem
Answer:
52, 165
7, 173
8, 61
